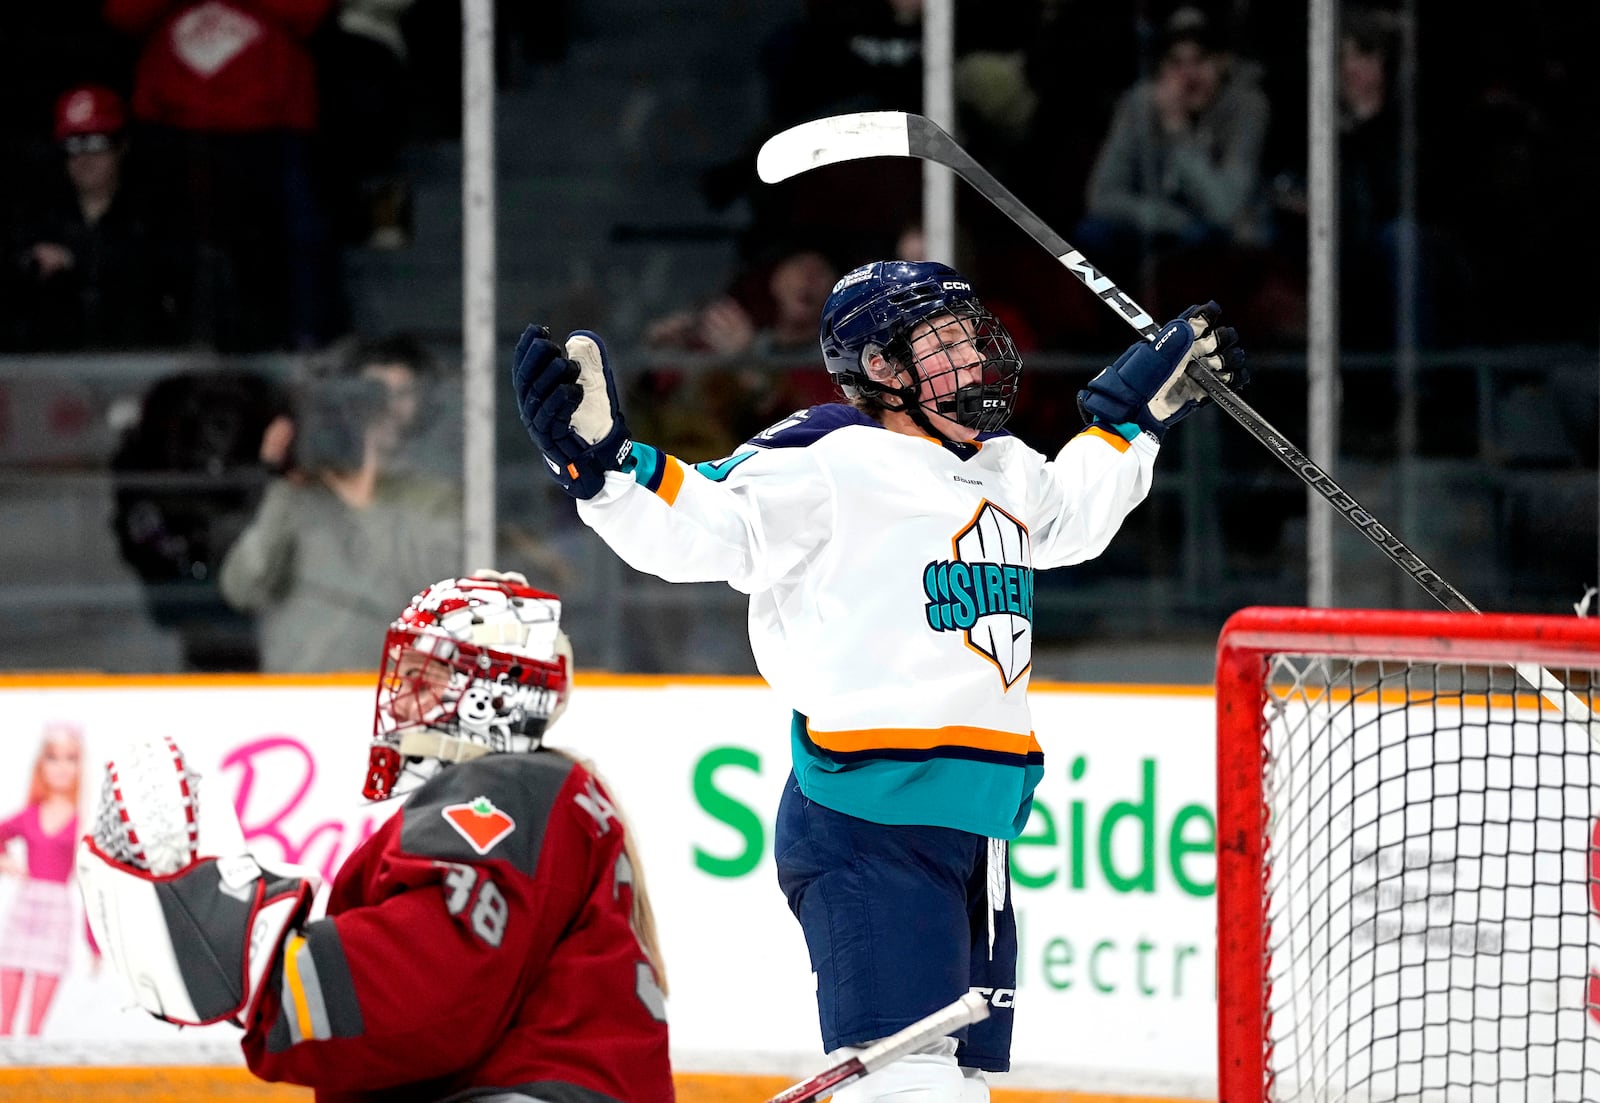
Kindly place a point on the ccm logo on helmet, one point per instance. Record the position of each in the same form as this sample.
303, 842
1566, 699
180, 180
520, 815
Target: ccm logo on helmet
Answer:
954, 285
999, 997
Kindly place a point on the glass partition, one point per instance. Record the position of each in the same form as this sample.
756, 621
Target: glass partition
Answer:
230, 415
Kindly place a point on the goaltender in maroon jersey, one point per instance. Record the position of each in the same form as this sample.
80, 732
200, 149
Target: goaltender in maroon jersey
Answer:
481, 937
492, 941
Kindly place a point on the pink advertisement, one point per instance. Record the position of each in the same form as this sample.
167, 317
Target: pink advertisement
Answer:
41, 921
290, 764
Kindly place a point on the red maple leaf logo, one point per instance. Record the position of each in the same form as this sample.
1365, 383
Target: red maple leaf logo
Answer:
480, 823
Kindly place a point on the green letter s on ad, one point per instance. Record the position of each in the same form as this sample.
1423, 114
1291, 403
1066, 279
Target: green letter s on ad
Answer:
726, 809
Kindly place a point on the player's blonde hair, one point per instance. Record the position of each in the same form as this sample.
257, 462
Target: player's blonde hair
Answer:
643, 917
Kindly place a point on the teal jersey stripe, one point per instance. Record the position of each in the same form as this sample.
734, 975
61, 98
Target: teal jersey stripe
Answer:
1127, 430
644, 464
985, 798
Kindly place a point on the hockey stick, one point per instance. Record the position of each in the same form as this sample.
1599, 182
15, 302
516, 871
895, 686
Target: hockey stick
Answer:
839, 138
970, 1008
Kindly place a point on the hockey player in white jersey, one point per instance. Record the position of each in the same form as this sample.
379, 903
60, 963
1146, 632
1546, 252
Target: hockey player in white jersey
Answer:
888, 544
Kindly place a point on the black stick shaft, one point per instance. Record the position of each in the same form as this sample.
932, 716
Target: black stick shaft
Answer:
1335, 495
928, 142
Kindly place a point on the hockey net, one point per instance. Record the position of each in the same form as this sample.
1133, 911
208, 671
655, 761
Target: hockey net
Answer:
1408, 859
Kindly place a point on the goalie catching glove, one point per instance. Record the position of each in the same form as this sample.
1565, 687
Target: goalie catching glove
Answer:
196, 945
568, 402
194, 937
1149, 385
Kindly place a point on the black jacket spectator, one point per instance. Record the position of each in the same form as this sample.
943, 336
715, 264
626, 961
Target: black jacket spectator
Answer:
89, 262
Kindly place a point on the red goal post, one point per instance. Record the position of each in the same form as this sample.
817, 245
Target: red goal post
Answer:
1408, 858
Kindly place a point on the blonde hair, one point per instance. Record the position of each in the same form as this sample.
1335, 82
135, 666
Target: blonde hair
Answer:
56, 731
643, 917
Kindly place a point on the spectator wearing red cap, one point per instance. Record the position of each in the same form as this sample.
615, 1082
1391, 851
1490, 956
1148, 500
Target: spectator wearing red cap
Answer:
91, 263
90, 111
226, 94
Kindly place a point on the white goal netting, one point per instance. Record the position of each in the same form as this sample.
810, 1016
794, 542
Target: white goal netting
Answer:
1429, 886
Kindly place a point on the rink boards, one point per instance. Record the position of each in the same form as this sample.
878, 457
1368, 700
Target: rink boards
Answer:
1113, 879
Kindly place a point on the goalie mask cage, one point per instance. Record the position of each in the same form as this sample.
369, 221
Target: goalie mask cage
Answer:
1408, 859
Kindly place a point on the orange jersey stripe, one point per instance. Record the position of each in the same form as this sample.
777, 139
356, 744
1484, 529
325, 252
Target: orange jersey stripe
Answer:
671, 479
1114, 439
294, 985
922, 739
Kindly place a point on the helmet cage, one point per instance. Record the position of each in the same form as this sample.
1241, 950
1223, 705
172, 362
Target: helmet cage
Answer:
967, 334
469, 669
876, 309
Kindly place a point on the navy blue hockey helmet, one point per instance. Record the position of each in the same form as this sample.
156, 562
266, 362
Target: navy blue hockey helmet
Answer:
877, 308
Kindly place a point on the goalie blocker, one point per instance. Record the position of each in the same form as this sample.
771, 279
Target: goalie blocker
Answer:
238, 911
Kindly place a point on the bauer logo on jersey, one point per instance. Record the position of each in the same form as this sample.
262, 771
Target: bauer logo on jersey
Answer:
479, 822
986, 591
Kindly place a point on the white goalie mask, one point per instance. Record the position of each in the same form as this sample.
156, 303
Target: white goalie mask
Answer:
472, 666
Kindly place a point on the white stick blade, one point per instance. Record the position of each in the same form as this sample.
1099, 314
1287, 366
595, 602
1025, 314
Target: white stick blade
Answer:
831, 140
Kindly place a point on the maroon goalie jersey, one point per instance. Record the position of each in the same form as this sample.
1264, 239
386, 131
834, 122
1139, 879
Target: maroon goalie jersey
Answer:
480, 940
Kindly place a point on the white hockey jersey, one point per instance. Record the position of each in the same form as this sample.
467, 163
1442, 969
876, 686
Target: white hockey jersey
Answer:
891, 592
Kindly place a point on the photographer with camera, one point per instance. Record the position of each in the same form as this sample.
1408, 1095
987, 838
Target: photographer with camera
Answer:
341, 538
186, 479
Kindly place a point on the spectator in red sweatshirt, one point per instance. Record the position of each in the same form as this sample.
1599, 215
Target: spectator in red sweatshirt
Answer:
226, 93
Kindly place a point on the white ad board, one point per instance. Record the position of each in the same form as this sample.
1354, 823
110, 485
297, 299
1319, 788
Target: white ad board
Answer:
1113, 879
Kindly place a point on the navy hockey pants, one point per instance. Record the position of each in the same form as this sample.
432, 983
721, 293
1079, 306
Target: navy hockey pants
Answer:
897, 920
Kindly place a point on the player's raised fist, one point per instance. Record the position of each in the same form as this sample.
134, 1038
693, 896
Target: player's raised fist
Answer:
1149, 385
567, 398
1216, 346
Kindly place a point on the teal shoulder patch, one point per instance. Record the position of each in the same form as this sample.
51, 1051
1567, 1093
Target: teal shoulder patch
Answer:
718, 470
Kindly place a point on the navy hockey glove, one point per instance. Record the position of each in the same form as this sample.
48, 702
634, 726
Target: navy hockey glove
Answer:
1148, 386
568, 402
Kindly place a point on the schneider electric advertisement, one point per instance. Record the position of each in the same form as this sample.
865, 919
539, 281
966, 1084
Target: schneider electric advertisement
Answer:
1113, 879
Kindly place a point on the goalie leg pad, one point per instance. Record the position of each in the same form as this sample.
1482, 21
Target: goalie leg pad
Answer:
194, 946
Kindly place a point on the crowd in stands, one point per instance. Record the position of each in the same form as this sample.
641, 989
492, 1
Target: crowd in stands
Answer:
273, 524
183, 174
1170, 147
